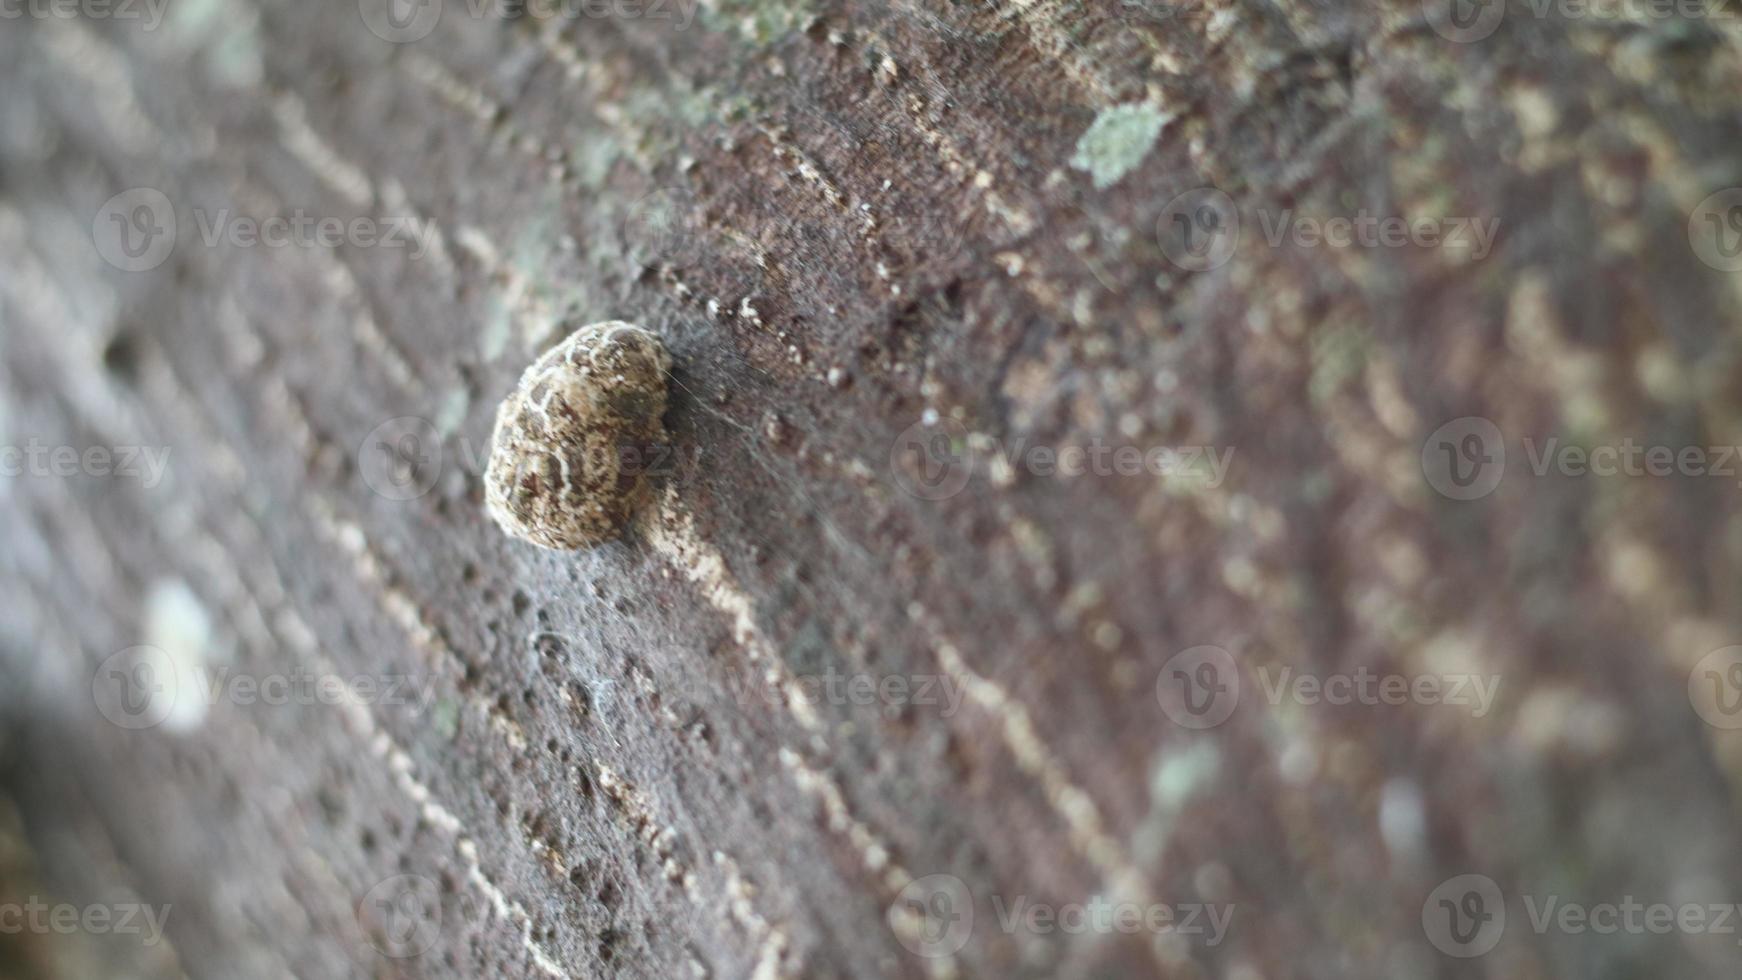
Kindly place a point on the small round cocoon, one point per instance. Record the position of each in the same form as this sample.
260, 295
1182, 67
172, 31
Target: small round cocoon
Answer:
574, 440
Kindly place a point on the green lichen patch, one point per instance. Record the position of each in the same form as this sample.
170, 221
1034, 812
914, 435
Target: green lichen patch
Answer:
1118, 141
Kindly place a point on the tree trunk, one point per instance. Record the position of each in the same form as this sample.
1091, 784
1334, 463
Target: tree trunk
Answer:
1063, 511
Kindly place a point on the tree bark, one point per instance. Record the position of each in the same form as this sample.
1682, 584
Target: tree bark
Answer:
870, 664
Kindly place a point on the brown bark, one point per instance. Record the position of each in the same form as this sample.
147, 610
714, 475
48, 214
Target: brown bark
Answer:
847, 220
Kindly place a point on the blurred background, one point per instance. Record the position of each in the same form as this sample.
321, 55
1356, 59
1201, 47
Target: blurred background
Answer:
1222, 489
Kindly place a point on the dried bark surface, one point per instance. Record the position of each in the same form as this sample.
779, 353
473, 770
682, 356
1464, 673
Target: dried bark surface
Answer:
846, 220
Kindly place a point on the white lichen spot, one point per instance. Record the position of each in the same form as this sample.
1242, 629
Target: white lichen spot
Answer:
1536, 112
179, 627
1180, 775
1403, 820
569, 461
224, 33
1118, 141
452, 412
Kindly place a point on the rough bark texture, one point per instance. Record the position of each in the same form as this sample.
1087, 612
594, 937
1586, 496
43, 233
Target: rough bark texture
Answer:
868, 216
